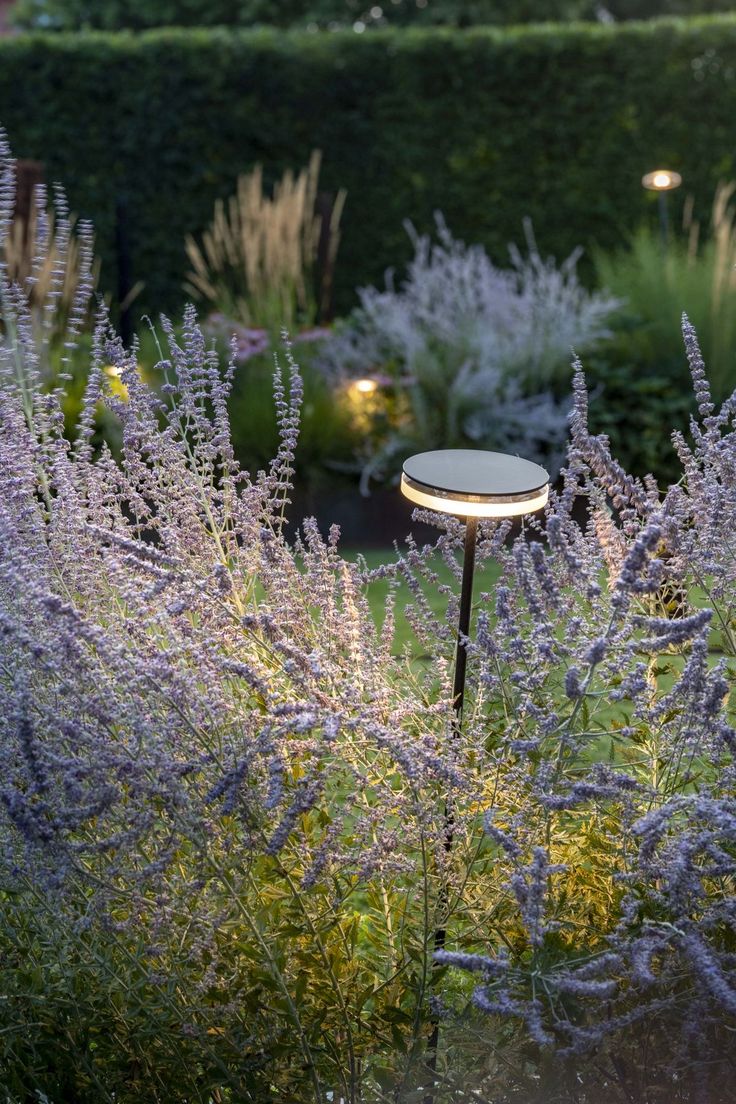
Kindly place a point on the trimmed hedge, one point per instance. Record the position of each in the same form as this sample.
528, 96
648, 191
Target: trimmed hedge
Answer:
489, 126
137, 15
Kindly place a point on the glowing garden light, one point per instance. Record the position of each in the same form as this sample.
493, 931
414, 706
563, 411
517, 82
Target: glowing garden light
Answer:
662, 181
365, 386
471, 484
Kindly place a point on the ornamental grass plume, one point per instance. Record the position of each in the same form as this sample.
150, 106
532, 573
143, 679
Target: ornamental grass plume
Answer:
256, 261
223, 794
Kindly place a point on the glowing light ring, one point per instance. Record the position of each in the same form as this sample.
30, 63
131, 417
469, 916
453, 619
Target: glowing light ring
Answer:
469, 505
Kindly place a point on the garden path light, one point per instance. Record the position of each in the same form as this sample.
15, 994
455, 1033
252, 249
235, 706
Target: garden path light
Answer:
472, 484
662, 181
365, 386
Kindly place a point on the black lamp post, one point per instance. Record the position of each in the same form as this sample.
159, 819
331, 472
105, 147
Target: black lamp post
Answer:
470, 484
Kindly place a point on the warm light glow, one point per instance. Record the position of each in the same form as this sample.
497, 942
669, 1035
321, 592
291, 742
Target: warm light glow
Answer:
466, 508
661, 180
114, 373
365, 386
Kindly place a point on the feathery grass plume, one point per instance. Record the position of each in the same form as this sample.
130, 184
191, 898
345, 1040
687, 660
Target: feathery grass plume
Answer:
256, 263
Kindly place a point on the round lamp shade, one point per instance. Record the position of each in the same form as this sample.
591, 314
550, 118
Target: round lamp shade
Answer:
472, 483
661, 180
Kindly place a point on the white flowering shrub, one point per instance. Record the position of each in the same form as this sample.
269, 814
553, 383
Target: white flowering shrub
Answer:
224, 796
478, 355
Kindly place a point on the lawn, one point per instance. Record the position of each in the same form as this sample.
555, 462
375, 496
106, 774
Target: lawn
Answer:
485, 578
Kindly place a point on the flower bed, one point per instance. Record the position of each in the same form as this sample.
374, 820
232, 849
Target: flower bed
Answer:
224, 796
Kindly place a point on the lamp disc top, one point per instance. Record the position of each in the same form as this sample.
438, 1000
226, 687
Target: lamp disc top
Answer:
475, 472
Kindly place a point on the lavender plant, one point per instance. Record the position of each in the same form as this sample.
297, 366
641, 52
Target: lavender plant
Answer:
611, 721
49, 261
223, 794
478, 355
212, 764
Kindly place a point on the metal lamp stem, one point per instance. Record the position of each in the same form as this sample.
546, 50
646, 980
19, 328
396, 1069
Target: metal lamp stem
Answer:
663, 219
463, 628
458, 697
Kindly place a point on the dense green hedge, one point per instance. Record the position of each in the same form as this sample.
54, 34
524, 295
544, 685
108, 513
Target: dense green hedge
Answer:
110, 15
488, 126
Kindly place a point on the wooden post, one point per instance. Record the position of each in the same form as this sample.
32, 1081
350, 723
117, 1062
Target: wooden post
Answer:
27, 175
325, 206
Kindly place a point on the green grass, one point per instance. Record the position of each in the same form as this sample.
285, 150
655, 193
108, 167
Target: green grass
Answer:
485, 579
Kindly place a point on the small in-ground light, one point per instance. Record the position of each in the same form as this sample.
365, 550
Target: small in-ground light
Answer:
365, 386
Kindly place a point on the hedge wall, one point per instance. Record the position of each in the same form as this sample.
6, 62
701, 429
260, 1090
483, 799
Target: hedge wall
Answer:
486, 125
114, 15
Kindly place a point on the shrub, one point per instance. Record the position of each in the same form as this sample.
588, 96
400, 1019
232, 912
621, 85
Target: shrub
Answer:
648, 721
488, 126
224, 800
473, 354
642, 373
328, 435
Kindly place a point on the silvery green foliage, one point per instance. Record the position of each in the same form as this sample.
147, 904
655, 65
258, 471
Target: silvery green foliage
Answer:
480, 354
